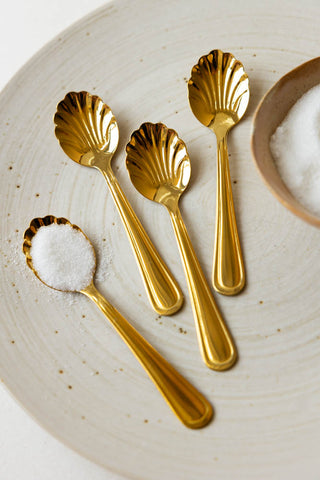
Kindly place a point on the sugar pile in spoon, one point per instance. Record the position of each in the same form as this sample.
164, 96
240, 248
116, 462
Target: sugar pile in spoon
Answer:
63, 257
295, 146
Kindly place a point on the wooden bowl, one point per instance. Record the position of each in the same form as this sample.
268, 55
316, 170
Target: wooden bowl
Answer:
271, 111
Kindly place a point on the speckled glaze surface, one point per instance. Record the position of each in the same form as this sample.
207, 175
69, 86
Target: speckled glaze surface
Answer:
58, 356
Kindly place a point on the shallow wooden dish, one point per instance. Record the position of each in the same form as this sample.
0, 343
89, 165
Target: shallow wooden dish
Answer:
271, 111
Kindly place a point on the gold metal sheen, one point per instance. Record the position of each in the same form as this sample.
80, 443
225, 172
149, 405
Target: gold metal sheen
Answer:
88, 133
218, 97
159, 168
190, 406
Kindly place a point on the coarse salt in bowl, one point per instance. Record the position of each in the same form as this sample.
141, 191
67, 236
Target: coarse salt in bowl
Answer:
292, 186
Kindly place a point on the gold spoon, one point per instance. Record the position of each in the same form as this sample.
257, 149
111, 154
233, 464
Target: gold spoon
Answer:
88, 133
159, 168
219, 96
188, 404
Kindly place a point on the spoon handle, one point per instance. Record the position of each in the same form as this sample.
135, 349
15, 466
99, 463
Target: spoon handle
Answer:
163, 291
228, 275
216, 345
190, 406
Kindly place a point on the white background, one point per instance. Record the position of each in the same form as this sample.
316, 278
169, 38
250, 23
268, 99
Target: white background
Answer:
27, 452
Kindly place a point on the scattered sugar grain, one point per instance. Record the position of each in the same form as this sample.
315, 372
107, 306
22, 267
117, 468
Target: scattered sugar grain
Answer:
295, 146
104, 256
63, 257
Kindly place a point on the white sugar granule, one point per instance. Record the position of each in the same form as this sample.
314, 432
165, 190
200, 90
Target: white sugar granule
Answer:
63, 257
295, 146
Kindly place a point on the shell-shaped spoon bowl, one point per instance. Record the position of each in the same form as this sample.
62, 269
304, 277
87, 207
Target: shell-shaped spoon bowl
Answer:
158, 162
86, 128
218, 90
34, 226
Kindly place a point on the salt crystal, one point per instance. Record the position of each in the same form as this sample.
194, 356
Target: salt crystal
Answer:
295, 146
63, 257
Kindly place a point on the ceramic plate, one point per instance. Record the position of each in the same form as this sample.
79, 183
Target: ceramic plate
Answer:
58, 356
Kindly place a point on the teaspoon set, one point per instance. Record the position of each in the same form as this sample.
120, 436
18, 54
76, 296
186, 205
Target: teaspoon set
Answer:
159, 167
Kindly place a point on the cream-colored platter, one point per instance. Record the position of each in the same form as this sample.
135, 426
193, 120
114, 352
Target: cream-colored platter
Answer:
58, 356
